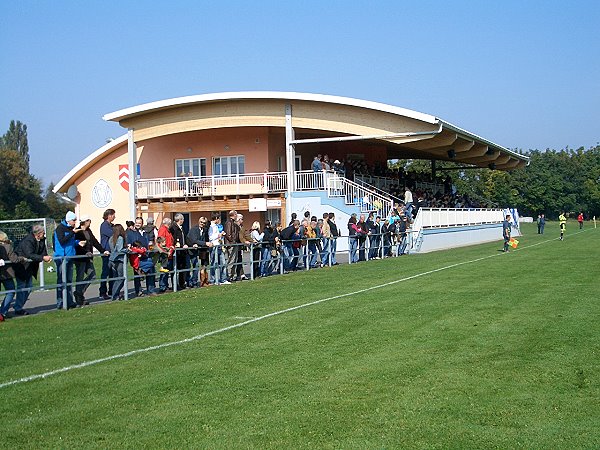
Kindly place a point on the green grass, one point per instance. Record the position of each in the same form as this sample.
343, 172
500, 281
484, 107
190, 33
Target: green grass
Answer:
498, 353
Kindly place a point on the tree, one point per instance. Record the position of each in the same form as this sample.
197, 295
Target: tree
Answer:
18, 186
16, 139
56, 206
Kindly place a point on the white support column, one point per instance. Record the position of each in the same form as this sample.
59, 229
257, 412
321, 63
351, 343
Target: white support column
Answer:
132, 158
289, 149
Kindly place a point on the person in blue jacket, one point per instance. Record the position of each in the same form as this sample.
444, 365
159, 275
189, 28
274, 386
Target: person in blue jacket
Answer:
64, 249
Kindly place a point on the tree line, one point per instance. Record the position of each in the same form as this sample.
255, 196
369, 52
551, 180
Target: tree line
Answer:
554, 181
21, 193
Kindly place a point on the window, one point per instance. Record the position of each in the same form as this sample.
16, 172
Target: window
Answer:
229, 165
197, 167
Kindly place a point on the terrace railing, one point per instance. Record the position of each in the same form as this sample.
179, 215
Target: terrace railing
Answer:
239, 184
384, 183
365, 197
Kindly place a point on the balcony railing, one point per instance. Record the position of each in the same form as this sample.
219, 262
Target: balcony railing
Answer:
365, 197
215, 185
385, 183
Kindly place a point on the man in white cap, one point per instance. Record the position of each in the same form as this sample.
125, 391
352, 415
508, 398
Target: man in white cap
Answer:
64, 249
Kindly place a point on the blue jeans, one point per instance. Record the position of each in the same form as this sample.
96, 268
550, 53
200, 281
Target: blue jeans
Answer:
193, 275
163, 281
9, 285
289, 254
325, 252
147, 270
218, 265
24, 287
312, 253
265, 264
333, 250
117, 270
68, 267
353, 243
402, 244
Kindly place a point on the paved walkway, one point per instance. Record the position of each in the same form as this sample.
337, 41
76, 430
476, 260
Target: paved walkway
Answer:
45, 300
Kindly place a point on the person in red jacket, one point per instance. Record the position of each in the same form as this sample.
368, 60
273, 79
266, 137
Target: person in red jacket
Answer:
580, 220
164, 233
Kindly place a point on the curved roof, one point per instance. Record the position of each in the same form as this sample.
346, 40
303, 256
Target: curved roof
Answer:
451, 143
264, 95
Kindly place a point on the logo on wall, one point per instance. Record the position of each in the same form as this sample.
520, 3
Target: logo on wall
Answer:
101, 194
124, 176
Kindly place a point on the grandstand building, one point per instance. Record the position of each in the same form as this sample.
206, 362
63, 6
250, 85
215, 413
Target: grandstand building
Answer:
252, 152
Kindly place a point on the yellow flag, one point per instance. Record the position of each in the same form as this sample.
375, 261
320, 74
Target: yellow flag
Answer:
513, 242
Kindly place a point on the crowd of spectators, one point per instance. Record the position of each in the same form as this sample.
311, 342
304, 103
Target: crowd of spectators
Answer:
210, 253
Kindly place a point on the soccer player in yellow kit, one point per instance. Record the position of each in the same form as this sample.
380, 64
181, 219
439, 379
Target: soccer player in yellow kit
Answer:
563, 224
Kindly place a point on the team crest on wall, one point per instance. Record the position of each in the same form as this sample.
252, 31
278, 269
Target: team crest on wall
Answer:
124, 176
101, 194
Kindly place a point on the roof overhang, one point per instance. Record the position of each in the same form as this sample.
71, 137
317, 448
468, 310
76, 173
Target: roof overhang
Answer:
451, 143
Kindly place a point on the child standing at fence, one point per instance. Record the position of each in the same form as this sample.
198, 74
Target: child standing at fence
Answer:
163, 254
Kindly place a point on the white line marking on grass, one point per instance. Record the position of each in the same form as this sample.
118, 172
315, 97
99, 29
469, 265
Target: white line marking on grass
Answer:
248, 322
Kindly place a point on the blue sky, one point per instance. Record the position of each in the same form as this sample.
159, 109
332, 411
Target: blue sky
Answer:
524, 74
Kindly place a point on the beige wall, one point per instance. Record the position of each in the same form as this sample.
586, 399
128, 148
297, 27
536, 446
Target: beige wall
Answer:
106, 169
157, 156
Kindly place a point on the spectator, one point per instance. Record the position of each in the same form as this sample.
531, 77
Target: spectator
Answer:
386, 235
316, 164
326, 240
244, 239
294, 217
408, 202
179, 243
232, 242
146, 265
199, 241
310, 235
105, 235
401, 228
218, 267
163, 232
256, 239
580, 220
8, 261
335, 233
268, 244
353, 234
64, 251
117, 265
84, 264
362, 237
163, 255
33, 248
289, 236
150, 232
541, 223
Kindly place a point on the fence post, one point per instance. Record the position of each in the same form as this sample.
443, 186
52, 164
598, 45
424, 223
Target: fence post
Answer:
218, 258
175, 280
252, 261
125, 281
63, 266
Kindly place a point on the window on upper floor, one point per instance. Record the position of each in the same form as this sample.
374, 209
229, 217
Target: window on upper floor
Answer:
195, 166
229, 165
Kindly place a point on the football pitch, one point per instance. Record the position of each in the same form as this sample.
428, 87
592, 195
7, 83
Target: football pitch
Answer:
465, 348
